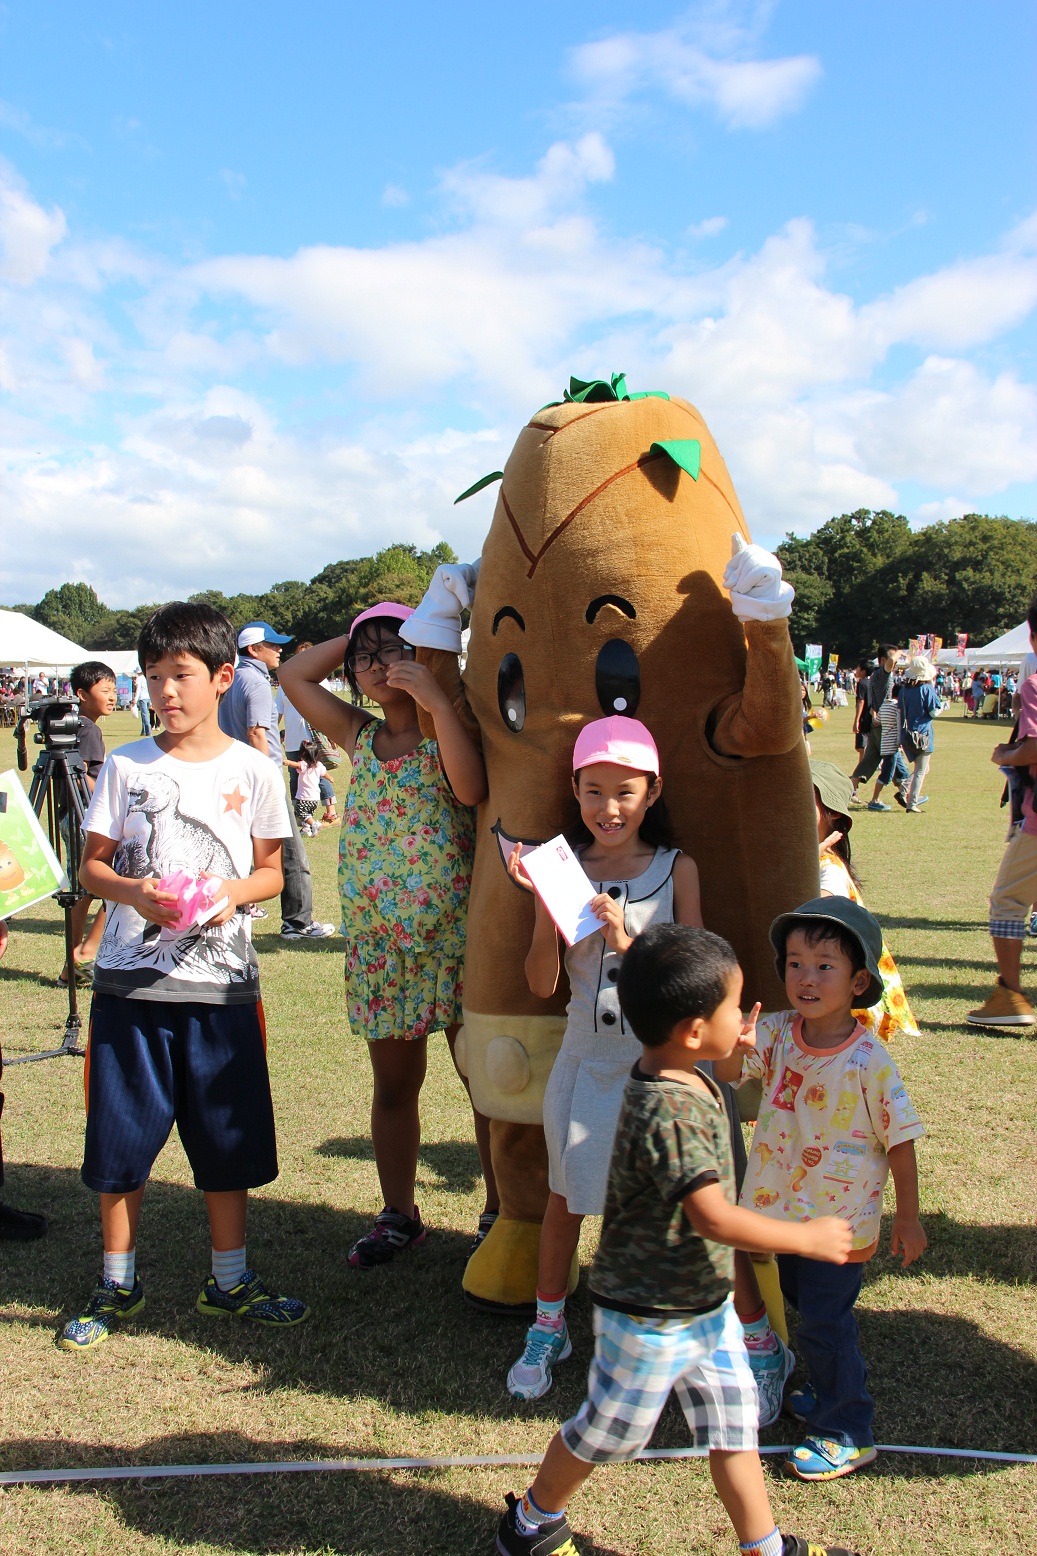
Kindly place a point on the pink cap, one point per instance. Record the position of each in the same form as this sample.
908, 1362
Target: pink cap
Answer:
387, 608
620, 741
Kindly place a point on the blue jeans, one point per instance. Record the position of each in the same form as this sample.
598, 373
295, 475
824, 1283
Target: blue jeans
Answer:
828, 1341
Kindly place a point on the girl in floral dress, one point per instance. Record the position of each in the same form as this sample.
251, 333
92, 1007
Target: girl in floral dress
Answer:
405, 867
832, 788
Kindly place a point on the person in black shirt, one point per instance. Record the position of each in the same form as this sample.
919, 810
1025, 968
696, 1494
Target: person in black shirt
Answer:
93, 685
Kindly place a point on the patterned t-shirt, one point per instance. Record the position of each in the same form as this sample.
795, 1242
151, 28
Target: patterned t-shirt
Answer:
200, 817
671, 1139
827, 1119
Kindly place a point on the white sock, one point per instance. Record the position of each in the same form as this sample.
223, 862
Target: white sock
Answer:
529, 1517
771, 1546
120, 1268
228, 1267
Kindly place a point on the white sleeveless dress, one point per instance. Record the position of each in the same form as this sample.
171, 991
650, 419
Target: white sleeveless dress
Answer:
585, 1088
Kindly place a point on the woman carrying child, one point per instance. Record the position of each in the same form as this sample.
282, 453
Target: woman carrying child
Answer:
623, 843
405, 866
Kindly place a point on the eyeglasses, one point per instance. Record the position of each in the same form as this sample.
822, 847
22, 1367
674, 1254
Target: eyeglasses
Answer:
390, 655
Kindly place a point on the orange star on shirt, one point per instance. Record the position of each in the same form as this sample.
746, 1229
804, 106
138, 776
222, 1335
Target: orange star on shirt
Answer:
234, 800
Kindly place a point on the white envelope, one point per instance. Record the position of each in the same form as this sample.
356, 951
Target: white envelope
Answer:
562, 886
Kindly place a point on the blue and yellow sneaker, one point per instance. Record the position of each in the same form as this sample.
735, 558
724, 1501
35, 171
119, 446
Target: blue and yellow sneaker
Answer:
250, 1299
801, 1402
818, 1458
109, 1304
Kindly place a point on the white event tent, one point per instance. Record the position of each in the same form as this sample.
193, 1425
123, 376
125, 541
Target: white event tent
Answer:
1006, 651
27, 643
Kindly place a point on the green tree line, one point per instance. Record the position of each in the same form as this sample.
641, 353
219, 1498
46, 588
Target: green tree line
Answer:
861, 579
866, 578
322, 608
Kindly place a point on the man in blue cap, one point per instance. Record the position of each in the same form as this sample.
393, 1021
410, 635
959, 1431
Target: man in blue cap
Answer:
247, 714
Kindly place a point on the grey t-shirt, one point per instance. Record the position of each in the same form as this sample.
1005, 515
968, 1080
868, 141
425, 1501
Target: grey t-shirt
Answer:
249, 704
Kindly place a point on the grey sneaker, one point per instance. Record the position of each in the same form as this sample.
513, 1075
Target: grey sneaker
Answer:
771, 1370
530, 1377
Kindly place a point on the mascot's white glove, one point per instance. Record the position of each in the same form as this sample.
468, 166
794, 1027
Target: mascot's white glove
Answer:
437, 621
753, 578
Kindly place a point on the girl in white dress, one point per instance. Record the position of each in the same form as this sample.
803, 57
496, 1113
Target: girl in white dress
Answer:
622, 841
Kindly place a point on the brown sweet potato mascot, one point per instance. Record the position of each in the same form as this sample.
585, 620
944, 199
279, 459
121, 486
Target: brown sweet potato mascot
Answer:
601, 589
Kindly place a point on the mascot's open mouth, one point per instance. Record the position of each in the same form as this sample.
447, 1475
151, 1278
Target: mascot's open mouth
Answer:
506, 844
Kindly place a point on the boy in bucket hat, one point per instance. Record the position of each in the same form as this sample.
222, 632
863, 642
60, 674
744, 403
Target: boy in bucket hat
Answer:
834, 1122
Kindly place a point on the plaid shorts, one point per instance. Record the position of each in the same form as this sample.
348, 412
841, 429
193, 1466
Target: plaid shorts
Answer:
637, 1361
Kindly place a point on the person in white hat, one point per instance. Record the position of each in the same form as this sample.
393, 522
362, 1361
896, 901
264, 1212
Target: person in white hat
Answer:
919, 705
247, 714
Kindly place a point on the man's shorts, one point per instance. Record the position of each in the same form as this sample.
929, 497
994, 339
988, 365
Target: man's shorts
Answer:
1015, 890
203, 1067
637, 1361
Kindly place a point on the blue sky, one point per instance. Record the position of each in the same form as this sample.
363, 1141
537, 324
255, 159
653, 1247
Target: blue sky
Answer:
276, 284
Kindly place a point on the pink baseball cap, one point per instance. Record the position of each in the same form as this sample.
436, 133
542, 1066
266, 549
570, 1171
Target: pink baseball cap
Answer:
620, 741
387, 608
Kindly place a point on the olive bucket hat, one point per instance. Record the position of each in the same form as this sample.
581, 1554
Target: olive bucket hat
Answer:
833, 789
862, 925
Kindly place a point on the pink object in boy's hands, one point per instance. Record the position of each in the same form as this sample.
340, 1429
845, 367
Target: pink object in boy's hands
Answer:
195, 898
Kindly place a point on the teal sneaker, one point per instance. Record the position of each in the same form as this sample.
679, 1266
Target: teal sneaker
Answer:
818, 1458
250, 1299
530, 1377
109, 1304
771, 1371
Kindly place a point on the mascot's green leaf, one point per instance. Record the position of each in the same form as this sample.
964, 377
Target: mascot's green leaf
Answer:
686, 452
487, 480
590, 391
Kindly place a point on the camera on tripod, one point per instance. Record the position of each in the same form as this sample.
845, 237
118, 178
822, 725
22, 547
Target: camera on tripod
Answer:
57, 726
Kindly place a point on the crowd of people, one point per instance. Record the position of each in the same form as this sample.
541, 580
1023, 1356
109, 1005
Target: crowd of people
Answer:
640, 1118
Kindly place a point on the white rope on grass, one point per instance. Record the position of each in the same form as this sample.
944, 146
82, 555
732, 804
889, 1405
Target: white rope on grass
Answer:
475, 1461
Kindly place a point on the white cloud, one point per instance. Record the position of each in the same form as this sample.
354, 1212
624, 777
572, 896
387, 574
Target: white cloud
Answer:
711, 227
28, 233
234, 183
190, 476
394, 196
699, 63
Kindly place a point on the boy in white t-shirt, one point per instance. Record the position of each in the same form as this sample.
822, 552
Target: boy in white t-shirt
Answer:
176, 1025
835, 1121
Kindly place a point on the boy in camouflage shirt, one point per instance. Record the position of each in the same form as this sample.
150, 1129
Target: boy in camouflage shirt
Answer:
663, 1277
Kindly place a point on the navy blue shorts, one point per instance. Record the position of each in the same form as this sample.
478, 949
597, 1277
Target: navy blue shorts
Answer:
203, 1067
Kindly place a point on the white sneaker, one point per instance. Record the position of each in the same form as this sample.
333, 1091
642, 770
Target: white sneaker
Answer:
530, 1377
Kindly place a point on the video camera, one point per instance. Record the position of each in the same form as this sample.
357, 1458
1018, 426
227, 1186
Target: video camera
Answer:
57, 726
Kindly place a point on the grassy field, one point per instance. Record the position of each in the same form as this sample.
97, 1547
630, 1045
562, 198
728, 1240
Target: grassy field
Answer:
393, 1364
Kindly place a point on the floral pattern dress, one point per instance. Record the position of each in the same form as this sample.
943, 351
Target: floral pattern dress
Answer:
892, 1014
404, 873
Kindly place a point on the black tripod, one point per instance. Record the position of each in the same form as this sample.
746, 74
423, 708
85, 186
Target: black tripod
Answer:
59, 782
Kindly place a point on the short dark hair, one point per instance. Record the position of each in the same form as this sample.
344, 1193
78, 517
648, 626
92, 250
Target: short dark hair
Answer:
1031, 615
673, 973
817, 930
188, 628
82, 678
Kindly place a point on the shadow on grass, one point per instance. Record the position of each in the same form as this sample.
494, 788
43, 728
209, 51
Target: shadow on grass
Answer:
456, 1162
895, 921
402, 1335
366, 1513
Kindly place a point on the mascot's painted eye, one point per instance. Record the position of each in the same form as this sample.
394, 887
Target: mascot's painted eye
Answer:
511, 692
617, 677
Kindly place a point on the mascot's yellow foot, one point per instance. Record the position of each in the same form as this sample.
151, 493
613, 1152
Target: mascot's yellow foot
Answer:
501, 1275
